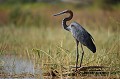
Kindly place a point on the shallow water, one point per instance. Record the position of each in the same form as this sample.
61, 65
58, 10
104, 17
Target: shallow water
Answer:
23, 68
12, 64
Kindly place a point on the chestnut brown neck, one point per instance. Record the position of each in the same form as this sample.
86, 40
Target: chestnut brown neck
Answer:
64, 21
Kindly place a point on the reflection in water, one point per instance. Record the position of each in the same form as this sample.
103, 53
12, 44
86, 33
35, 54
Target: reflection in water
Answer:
17, 65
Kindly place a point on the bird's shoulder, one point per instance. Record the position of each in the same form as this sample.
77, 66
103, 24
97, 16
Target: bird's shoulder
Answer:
77, 27
79, 32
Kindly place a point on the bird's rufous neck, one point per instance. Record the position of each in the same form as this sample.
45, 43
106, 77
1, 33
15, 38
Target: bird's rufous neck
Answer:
64, 22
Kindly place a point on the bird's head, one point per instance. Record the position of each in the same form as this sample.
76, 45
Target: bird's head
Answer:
65, 11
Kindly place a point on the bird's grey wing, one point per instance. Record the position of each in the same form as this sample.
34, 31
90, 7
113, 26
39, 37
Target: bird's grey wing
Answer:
91, 37
84, 31
80, 34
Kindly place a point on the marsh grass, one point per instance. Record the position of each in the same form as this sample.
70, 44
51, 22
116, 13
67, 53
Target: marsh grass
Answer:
57, 47
59, 53
51, 47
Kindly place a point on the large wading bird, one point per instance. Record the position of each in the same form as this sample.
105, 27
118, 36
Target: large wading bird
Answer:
79, 33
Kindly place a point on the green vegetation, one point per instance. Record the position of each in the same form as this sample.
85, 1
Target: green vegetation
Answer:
30, 30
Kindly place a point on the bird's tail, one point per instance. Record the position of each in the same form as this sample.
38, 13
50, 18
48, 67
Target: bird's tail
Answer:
92, 47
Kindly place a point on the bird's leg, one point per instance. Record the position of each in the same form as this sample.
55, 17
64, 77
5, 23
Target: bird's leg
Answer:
82, 55
77, 54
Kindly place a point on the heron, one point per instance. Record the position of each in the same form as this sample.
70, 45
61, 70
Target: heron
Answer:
79, 33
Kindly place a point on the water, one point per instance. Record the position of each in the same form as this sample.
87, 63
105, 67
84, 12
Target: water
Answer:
14, 65
17, 65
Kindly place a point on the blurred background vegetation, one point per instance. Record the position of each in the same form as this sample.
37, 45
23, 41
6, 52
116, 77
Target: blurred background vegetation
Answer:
29, 24
31, 12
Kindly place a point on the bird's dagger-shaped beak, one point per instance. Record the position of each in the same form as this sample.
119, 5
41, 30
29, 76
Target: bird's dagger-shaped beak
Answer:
65, 11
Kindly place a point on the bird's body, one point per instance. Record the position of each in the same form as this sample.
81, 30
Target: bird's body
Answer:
79, 33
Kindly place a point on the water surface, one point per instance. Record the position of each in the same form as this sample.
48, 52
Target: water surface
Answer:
12, 64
